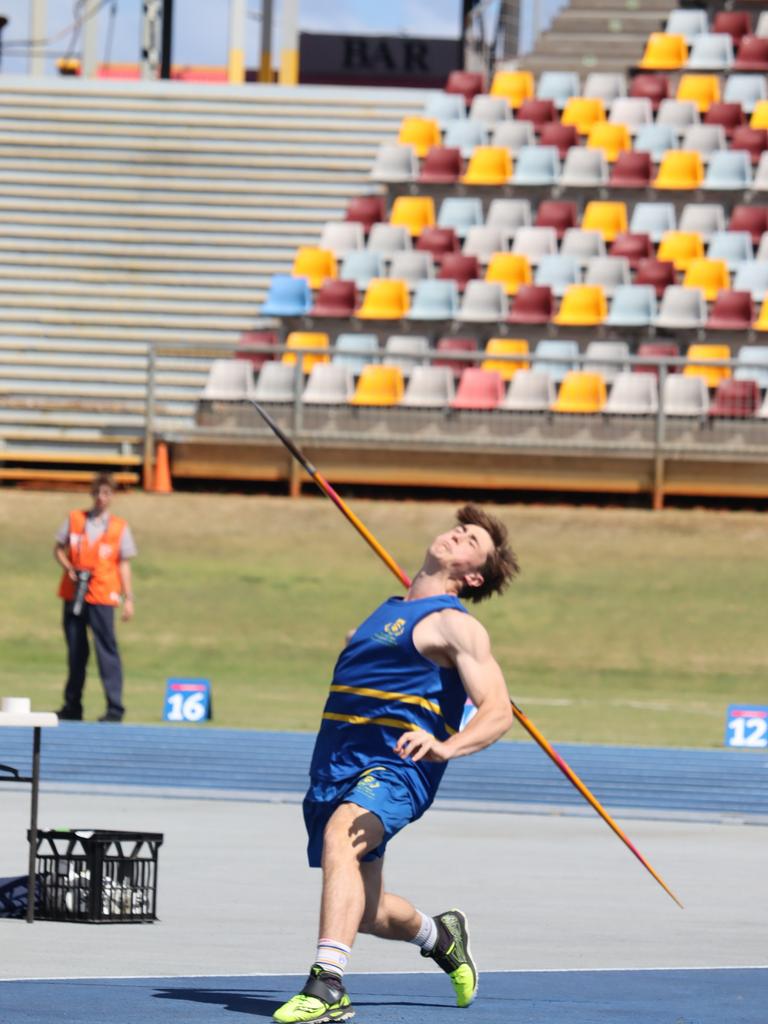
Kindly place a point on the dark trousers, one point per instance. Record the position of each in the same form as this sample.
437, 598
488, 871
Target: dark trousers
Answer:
101, 619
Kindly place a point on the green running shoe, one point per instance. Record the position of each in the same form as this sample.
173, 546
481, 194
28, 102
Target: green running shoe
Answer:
323, 998
451, 953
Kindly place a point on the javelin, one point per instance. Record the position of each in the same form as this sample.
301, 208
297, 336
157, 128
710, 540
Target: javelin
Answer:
392, 565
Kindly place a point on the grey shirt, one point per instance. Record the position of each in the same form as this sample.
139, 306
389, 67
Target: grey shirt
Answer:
94, 528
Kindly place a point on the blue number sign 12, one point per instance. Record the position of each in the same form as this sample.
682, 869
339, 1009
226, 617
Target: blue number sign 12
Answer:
746, 726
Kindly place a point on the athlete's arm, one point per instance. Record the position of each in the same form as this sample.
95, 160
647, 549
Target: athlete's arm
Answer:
467, 645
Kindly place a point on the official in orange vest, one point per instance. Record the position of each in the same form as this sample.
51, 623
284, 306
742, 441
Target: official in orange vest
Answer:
95, 548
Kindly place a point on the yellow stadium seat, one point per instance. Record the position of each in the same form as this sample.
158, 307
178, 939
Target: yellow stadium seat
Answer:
420, 132
317, 265
582, 112
509, 269
664, 52
488, 165
680, 248
609, 218
703, 90
515, 86
611, 138
680, 169
583, 305
759, 118
712, 374
414, 213
385, 299
761, 324
379, 385
299, 340
710, 275
581, 392
506, 368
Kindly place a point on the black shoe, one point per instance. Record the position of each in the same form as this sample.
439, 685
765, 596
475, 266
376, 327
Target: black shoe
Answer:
69, 714
451, 953
111, 716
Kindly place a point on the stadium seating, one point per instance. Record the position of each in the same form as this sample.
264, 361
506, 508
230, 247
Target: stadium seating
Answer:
632, 305
228, 380
580, 392
681, 308
731, 311
703, 90
335, 299
414, 213
465, 83
354, 351
489, 110
395, 162
555, 357
463, 345
262, 338
483, 302
538, 111
537, 165
298, 341
498, 347
609, 218
460, 213
439, 241
275, 383
612, 139
488, 165
513, 135
406, 351
558, 272
685, 396
582, 306
583, 112
608, 358
532, 305
664, 52
441, 166
287, 296
385, 299
558, 86
656, 350
387, 239
711, 276
412, 266
680, 248
478, 389
328, 384
419, 132
510, 270
362, 267
429, 387
680, 170
530, 391
752, 364
341, 237
314, 264
735, 399
633, 394
460, 267
513, 86
367, 210
434, 300
444, 107
711, 375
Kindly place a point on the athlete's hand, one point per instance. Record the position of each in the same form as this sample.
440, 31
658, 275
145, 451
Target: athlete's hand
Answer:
419, 745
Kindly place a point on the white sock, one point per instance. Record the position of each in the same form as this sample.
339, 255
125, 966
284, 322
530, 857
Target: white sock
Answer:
333, 956
426, 936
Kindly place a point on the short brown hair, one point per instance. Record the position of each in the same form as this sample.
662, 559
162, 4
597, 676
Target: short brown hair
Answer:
501, 566
102, 480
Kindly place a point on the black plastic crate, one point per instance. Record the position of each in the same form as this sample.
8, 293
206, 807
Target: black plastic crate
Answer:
96, 875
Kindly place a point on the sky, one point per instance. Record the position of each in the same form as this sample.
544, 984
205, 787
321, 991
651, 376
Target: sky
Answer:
201, 26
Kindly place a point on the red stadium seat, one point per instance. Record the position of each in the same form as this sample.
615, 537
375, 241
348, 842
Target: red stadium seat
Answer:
540, 112
753, 140
750, 218
634, 247
558, 214
438, 241
460, 268
335, 298
752, 54
466, 83
478, 389
731, 311
442, 166
659, 273
533, 304
451, 344
366, 210
654, 87
257, 338
736, 24
660, 350
729, 115
736, 399
561, 135
632, 169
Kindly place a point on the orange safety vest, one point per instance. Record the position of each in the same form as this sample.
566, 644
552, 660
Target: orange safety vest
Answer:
100, 558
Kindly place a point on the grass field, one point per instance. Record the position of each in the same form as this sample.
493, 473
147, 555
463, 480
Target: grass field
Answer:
624, 627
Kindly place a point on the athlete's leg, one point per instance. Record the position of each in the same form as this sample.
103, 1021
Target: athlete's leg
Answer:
351, 832
386, 915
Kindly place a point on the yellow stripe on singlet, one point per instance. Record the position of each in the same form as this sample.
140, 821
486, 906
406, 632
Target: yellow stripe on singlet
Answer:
404, 698
395, 723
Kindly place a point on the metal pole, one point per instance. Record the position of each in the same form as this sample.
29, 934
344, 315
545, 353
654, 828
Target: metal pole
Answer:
658, 453
236, 56
38, 31
32, 877
148, 473
289, 42
90, 39
167, 46
265, 67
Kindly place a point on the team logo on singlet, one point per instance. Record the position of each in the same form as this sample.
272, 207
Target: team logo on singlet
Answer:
391, 633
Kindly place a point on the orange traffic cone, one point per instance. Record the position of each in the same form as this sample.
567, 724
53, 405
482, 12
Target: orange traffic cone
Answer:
162, 482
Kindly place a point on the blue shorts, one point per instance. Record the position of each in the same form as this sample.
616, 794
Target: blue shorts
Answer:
388, 791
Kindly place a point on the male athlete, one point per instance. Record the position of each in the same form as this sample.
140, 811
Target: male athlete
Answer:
389, 726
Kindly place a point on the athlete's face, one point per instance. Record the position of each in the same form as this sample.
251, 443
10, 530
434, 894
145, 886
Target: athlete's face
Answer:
463, 550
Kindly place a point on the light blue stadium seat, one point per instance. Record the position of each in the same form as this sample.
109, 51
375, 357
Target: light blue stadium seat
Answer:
537, 165
558, 86
460, 213
653, 219
287, 296
656, 139
584, 168
562, 353
406, 351
558, 272
678, 114
465, 135
711, 51
355, 351
434, 300
746, 89
489, 110
732, 246
688, 23
361, 267
752, 364
753, 278
730, 169
514, 135
483, 302
633, 305
444, 107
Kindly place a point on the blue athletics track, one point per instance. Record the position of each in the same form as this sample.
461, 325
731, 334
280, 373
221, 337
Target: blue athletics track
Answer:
567, 927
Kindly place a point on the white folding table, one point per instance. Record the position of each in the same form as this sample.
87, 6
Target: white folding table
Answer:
35, 720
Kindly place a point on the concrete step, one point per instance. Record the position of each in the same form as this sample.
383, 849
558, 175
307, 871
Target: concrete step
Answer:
29, 272
639, 24
98, 294
581, 63
628, 6
629, 48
